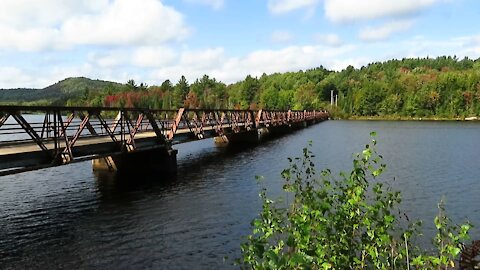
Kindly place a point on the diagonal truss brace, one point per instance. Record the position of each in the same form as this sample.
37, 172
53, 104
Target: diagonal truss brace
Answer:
69, 144
155, 127
175, 125
30, 131
107, 128
136, 127
4, 119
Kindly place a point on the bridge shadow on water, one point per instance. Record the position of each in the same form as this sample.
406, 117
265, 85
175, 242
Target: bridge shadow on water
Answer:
115, 185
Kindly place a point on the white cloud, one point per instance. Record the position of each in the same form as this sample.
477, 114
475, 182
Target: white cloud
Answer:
52, 24
328, 39
470, 46
141, 57
285, 6
213, 62
460, 46
10, 77
140, 22
341, 11
24, 14
32, 26
354, 10
202, 59
343, 63
62, 72
281, 37
154, 56
290, 58
109, 59
385, 31
215, 4
117, 65
40, 77
191, 63
294, 58
33, 39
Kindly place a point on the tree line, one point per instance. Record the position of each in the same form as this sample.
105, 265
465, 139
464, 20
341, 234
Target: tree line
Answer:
412, 87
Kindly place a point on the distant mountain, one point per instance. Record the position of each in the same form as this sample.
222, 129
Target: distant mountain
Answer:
57, 93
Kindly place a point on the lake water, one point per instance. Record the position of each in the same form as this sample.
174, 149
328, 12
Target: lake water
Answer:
68, 217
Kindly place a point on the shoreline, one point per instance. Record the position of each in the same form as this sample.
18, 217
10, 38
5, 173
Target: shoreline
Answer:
407, 118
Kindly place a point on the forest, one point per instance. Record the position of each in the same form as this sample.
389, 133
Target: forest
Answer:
442, 87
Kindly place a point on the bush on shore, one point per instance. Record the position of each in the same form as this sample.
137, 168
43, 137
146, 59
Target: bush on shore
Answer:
347, 222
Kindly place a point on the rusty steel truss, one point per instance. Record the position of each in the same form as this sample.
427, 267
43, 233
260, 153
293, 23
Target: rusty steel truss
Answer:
61, 135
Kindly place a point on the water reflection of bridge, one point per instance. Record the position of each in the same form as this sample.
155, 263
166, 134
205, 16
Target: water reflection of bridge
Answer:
128, 138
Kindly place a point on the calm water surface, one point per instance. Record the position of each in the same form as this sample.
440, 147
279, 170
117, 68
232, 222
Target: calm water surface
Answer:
68, 217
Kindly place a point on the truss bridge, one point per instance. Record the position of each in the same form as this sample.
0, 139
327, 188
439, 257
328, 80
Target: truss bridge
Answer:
36, 137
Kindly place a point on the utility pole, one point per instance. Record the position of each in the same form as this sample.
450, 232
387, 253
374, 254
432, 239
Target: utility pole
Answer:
331, 97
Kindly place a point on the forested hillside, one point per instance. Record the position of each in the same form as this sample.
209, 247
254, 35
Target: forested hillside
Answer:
443, 87
422, 87
56, 94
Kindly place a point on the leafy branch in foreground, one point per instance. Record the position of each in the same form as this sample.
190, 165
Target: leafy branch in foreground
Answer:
346, 222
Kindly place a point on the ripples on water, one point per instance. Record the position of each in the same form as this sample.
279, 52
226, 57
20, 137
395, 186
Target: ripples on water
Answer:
68, 217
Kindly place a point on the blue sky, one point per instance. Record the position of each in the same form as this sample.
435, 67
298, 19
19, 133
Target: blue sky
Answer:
44, 41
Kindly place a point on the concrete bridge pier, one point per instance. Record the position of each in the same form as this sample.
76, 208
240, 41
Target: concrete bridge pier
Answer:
263, 133
311, 122
252, 136
298, 125
276, 131
160, 160
246, 137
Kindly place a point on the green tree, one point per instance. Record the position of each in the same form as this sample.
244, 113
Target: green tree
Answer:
306, 97
249, 88
131, 85
181, 91
269, 98
371, 97
167, 88
286, 100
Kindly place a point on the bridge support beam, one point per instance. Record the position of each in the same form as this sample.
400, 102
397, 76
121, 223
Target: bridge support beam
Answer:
161, 160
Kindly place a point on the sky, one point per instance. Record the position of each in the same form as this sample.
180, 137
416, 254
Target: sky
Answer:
150, 41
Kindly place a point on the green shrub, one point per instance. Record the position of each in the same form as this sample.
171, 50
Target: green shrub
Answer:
347, 222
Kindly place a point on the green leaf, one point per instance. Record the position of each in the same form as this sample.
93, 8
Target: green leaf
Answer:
291, 241
297, 259
286, 174
454, 251
438, 225
418, 261
436, 261
367, 153
326, 265
388, 218
377, 172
